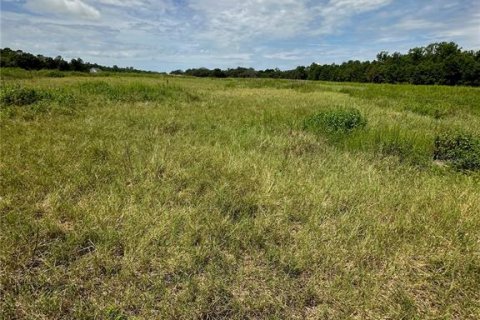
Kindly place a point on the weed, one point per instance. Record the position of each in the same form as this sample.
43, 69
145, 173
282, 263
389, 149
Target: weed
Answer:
29, 103
336, 121
113, 313
20, 96
460, 149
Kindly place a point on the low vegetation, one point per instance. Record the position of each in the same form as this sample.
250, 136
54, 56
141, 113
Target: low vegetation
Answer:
336, 121
462, 150
18, 96
158, 197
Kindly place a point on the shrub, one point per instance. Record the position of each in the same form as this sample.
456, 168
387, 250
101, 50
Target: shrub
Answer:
17, 101
19, 96
462, 150
336, 121
55, 74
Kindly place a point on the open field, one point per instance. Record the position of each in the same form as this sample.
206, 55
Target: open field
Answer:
155, 197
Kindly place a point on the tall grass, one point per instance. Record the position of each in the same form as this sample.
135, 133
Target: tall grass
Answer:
190, 200
133, 91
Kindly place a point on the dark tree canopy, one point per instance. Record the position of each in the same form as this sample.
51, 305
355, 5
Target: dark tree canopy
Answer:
443, 63
28, 61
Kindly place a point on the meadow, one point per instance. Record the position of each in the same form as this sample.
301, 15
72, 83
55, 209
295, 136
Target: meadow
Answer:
166, 197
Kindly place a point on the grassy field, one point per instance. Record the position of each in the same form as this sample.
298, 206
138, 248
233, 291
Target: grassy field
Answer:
156, 197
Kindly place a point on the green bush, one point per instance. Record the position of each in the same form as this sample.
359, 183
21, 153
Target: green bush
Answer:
55, 74
25, 103
19, 96
462, 150
336, 121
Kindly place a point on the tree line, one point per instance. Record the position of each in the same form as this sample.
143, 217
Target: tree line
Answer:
19, 59
442, 63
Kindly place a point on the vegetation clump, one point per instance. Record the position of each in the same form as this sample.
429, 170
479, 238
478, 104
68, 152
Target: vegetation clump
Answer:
17, 101
461, 150
336, 121
18, 96
55, 74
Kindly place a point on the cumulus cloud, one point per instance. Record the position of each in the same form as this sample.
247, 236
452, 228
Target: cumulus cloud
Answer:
75, 8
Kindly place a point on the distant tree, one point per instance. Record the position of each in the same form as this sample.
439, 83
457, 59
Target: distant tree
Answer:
63, 65
218, 73
78, 65
438, 63
313, 72
300, 73
177, 72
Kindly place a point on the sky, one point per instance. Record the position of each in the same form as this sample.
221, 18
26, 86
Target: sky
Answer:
164, 35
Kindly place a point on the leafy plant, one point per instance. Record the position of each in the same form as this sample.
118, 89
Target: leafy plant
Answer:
19, 96
462, 150
336, 121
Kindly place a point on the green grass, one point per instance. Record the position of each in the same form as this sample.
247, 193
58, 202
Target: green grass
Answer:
336, 121
154, 197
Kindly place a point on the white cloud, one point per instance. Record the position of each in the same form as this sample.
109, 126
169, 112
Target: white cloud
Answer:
418, 24
464, 29
123, 3
148, 6
75, 8
231, 21
286, 55
467, 33
337, 12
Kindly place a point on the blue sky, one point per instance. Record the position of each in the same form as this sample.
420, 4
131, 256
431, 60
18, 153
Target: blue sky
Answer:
164, 35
